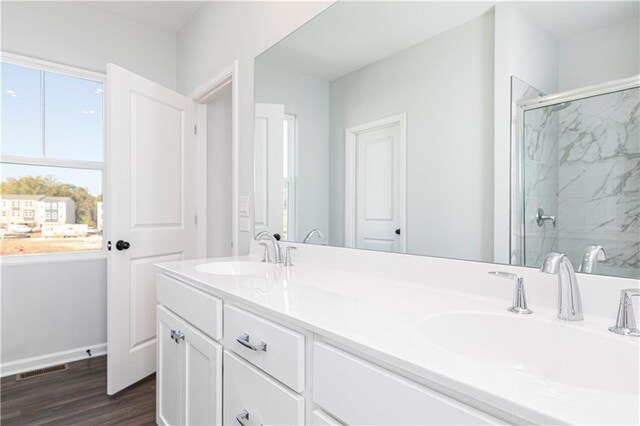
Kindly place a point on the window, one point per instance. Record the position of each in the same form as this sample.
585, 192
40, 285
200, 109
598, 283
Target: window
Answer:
51, 158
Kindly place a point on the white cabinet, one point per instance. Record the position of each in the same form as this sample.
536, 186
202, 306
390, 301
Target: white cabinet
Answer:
359, 392
189, 376
269, 371
251, 397
320, 418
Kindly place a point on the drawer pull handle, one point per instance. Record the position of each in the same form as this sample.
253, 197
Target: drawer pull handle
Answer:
243, 418
244, 341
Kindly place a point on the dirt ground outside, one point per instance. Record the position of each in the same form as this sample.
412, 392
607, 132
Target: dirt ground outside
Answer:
34, 243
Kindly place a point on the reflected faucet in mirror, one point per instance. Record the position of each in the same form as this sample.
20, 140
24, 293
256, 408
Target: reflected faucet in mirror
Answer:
310, 234
569, 301
592, 255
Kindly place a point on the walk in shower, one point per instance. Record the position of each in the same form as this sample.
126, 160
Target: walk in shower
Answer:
576, 178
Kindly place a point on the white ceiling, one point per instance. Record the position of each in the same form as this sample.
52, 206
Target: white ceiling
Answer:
351, 35
567, 19
163, 15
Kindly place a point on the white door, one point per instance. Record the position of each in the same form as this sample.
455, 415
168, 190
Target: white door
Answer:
151, 211
268, 157
375, 185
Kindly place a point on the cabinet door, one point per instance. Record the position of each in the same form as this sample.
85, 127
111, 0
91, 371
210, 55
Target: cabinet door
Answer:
169, 378
203, 379
252, 397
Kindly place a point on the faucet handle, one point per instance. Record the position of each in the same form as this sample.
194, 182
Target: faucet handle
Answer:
625, 321
287, 255
265, 256
519, 305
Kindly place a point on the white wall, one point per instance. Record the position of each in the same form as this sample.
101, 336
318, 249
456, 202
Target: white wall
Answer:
445, 85
221, 32
52, 307
76, 34
523, 49
60, 306
308, 99
219, 132
608, 54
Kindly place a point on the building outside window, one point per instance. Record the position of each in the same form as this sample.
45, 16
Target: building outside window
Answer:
51, 160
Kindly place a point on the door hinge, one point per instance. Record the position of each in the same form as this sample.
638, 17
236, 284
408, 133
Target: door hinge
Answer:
195, 129
195, 219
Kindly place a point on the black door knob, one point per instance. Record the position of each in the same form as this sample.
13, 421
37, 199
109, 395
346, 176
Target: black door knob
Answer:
122, 245
398, 231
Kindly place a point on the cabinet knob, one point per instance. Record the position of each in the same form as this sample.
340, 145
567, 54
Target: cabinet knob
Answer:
177, 335
244, 341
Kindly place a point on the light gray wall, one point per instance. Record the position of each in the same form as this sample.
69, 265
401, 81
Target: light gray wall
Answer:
59, 306
445, 85
52, 306
308, 99
76, 34
219, 175
525, 50
221, 32
608, 54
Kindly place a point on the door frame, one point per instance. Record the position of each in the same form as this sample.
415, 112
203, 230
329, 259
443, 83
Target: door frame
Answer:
351, 136
202, 96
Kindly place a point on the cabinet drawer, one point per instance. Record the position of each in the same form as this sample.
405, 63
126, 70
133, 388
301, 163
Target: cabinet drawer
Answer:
358, 392
250, 392
320, 418
197, 307
275, 349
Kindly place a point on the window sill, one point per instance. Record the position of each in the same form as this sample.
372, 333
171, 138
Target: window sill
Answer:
52, 257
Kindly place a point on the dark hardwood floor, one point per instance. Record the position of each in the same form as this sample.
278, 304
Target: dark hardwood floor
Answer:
77, 396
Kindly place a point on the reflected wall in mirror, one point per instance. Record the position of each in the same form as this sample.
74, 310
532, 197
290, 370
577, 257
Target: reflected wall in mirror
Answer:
377, 128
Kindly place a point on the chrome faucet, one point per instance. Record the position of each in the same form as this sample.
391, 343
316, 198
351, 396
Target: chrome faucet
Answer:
590, 258
519, 305
277, 255
625, 321
310, 235
569, 302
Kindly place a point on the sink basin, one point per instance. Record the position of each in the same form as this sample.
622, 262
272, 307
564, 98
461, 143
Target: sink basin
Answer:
238, 268
550, 350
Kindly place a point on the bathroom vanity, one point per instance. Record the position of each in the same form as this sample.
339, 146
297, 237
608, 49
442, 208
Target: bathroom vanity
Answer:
381, 339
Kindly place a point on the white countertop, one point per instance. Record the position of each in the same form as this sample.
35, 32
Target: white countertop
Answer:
395, 321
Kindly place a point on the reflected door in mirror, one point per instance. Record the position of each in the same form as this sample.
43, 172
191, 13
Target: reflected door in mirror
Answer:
268, 165
375, 169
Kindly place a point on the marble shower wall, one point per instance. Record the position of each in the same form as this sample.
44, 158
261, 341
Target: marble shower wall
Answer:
582, 165
599, 180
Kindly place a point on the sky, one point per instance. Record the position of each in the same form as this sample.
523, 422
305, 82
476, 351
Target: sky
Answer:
62, 114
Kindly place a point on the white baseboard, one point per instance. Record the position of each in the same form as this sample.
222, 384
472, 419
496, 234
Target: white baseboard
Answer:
47, 360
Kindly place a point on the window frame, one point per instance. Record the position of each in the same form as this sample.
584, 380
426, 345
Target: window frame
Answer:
47, 66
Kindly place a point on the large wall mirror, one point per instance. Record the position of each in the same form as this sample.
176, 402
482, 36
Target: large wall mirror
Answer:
377, 127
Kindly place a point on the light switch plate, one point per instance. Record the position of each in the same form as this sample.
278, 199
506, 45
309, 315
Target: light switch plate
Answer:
243, 206
244, 224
